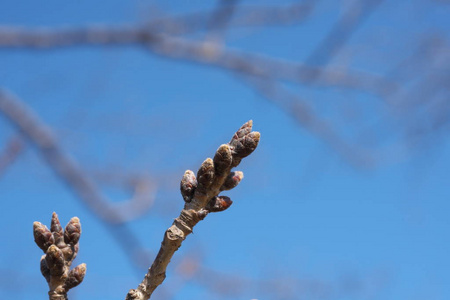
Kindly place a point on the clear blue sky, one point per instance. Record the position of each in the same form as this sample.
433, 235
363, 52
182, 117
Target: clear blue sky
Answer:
302, 212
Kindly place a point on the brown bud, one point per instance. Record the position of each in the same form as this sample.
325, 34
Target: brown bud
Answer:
55, 261
44, 269
188, 185
222, 159
73, 231
76, 276
232, 180
243, 131
251, 142
205, 175
244, 142
57, 230
246, 145
219, 203
42, 236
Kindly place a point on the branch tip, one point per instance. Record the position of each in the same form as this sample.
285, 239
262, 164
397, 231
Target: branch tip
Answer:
213, 176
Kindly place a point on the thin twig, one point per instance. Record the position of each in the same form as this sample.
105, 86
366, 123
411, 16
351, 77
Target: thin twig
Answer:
201, 197
227, 58
40, 136
10, 153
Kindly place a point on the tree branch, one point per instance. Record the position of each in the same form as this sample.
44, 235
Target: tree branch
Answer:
227, 58
201, 196
10, 153
39, 135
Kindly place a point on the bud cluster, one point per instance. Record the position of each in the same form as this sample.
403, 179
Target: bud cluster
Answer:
214, 175
60, 247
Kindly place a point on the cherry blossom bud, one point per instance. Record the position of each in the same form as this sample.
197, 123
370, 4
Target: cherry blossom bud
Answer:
222, 159
55, 261
232, 180
57, 230
219, 203
73, 231
76, 276
244, 142
205, 175
42, 236
188, 185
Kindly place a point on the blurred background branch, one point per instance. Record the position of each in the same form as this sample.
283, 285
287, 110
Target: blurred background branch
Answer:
367, 79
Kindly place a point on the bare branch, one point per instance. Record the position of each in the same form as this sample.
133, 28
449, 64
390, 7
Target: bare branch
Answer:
350, 21
253, 64
303, 113
39, 135
219, 20
10, 153
244, 16
211, 176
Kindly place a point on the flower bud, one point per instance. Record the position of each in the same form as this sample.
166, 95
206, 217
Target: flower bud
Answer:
57, 230
42, 236
188, 185
244, 142
76, 276
55, 261
232, 180
243, 131
73, 231
222, 159
219, 203
205, 175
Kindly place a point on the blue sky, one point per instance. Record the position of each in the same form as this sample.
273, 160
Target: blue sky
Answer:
302, 213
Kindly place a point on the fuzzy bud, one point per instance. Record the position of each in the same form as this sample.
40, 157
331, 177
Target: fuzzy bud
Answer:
205, 175
73, 231
55, 261
232, 180
76, 276
244, 146
243, 131
188, 185
57, 230
222, 159
244, 142
219, 203
42, 236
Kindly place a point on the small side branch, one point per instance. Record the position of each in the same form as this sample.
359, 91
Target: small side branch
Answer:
10, 153
43, 139
201, 194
